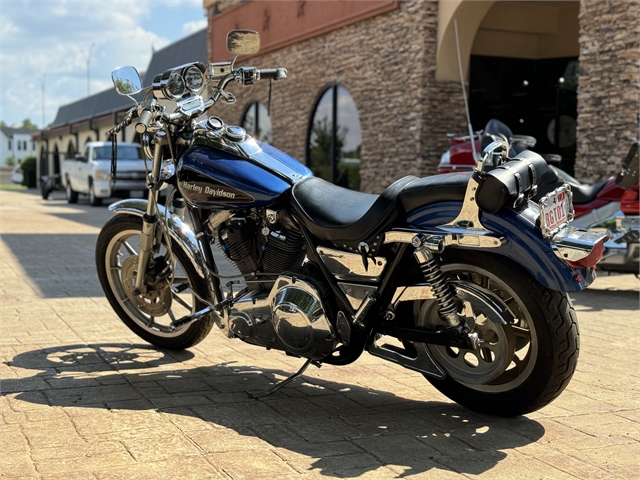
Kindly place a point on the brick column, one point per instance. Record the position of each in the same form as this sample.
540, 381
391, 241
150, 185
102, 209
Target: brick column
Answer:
608, 86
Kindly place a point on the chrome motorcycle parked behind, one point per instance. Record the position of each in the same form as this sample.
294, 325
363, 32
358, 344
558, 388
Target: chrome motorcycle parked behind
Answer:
460, 277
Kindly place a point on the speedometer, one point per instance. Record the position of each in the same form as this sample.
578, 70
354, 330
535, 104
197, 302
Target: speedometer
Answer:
193, 79
175, 85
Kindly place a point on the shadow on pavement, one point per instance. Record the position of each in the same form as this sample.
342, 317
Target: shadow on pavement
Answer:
316, 418
57, 265
596, 300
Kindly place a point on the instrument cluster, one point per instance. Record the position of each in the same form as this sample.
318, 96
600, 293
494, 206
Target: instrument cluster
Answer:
180, 82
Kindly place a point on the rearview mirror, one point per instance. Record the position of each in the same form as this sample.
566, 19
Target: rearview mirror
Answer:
126, 80
243, 42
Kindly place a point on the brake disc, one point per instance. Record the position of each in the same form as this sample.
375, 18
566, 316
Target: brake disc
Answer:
155, 302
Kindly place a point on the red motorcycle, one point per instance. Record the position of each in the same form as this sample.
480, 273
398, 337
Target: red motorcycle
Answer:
610, 205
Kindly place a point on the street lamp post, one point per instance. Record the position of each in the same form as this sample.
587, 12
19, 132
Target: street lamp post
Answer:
43, 114
88, 70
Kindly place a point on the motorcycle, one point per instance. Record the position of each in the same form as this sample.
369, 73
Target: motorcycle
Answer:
610, 205
461, 277
607, 205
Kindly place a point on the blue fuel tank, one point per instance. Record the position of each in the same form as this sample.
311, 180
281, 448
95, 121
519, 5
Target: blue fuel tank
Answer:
227, 169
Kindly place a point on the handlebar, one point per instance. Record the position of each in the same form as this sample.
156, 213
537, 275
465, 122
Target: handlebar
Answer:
143, 121
123, 124
273, 73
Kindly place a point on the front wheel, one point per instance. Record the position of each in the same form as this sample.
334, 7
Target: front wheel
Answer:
521, 366
93, 200
149, 315
70, 193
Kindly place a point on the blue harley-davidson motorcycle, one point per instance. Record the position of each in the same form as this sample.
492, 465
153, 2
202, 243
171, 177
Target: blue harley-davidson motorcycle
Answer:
460, 277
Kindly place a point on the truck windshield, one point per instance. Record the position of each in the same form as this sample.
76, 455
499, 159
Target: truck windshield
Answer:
125, 152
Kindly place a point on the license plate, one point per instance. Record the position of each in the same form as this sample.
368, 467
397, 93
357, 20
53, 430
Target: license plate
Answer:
556, 210
136, 193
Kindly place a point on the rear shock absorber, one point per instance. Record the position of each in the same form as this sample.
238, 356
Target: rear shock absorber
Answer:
430, 268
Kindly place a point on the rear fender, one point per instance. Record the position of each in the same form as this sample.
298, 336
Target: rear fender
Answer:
525, 243
178, 230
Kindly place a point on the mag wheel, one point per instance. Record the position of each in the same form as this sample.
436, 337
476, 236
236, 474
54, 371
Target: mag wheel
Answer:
521, 366
150, 314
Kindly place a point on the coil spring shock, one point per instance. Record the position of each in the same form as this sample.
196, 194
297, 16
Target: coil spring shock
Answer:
430, 268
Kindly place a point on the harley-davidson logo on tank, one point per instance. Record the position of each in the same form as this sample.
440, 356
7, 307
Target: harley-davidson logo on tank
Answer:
198, 189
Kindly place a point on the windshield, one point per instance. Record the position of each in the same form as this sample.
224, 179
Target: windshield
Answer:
125, 152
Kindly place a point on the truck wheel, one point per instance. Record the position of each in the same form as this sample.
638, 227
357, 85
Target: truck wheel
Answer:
44, 190
70, 193
93, 200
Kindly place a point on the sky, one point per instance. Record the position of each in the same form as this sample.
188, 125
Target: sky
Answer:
51, 40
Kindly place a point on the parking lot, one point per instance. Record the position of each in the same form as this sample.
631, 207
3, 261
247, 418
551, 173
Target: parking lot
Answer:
82, 397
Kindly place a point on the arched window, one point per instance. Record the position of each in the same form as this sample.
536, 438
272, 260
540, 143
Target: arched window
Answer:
257, 123
334, 138
71, 149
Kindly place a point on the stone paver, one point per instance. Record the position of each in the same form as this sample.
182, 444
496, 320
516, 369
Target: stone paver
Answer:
83, 397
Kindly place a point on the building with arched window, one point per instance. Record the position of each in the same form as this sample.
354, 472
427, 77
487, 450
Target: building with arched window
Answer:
90, 118
565, 72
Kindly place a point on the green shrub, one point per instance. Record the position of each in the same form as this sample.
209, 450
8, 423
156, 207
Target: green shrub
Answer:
10, 161
29, 172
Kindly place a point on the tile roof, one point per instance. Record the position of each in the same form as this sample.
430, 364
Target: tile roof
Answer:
11, 131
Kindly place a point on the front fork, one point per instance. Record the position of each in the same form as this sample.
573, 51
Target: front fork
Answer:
150, 218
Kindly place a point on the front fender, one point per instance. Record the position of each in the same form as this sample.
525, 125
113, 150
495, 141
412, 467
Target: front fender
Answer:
178, 230
525, 244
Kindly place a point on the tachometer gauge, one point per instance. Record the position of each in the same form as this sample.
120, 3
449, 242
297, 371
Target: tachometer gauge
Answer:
175, 85
193, 79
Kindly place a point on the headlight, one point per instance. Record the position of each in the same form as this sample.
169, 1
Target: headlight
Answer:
193, 79
103, 175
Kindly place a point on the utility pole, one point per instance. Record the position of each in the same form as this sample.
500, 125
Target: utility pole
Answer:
44, 125
88, 70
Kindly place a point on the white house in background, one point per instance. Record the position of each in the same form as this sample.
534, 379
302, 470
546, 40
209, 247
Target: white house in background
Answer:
16, 142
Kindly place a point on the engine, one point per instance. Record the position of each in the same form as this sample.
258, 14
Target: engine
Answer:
287, 313
255, 244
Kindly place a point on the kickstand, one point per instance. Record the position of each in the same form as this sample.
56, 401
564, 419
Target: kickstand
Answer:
282, 383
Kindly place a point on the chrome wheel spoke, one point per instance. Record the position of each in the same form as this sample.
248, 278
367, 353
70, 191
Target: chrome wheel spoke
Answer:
129, 248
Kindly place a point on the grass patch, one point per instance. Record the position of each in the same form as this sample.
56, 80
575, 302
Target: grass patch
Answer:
13, 186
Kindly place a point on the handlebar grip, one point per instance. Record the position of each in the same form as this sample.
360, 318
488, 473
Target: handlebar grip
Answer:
143, 121
273, 73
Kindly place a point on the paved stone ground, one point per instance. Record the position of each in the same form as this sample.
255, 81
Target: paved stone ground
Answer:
82, 397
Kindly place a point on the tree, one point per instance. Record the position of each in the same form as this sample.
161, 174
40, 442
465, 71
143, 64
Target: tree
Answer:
26, 123
2, 123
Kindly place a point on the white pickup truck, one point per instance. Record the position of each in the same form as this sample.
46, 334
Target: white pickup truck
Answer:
90, 173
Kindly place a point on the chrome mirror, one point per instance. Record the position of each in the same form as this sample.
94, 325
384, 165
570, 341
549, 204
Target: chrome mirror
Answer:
493, 155
127, 80
243, 42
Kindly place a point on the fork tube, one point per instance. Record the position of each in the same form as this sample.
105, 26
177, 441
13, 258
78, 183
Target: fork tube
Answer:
150, 219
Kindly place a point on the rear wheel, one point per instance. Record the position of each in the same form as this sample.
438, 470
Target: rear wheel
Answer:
149, 315
521, 366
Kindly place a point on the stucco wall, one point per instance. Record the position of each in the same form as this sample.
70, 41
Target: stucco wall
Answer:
609, 85
387, 63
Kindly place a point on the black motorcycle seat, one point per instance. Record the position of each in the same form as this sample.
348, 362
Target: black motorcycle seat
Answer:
555, 178
343, 216
449, 187
585, 193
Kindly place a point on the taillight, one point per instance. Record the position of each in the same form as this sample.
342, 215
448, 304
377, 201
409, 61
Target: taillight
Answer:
629, 203
591, 259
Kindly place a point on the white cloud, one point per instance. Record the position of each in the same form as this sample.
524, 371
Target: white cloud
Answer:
53, 38
191, 27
